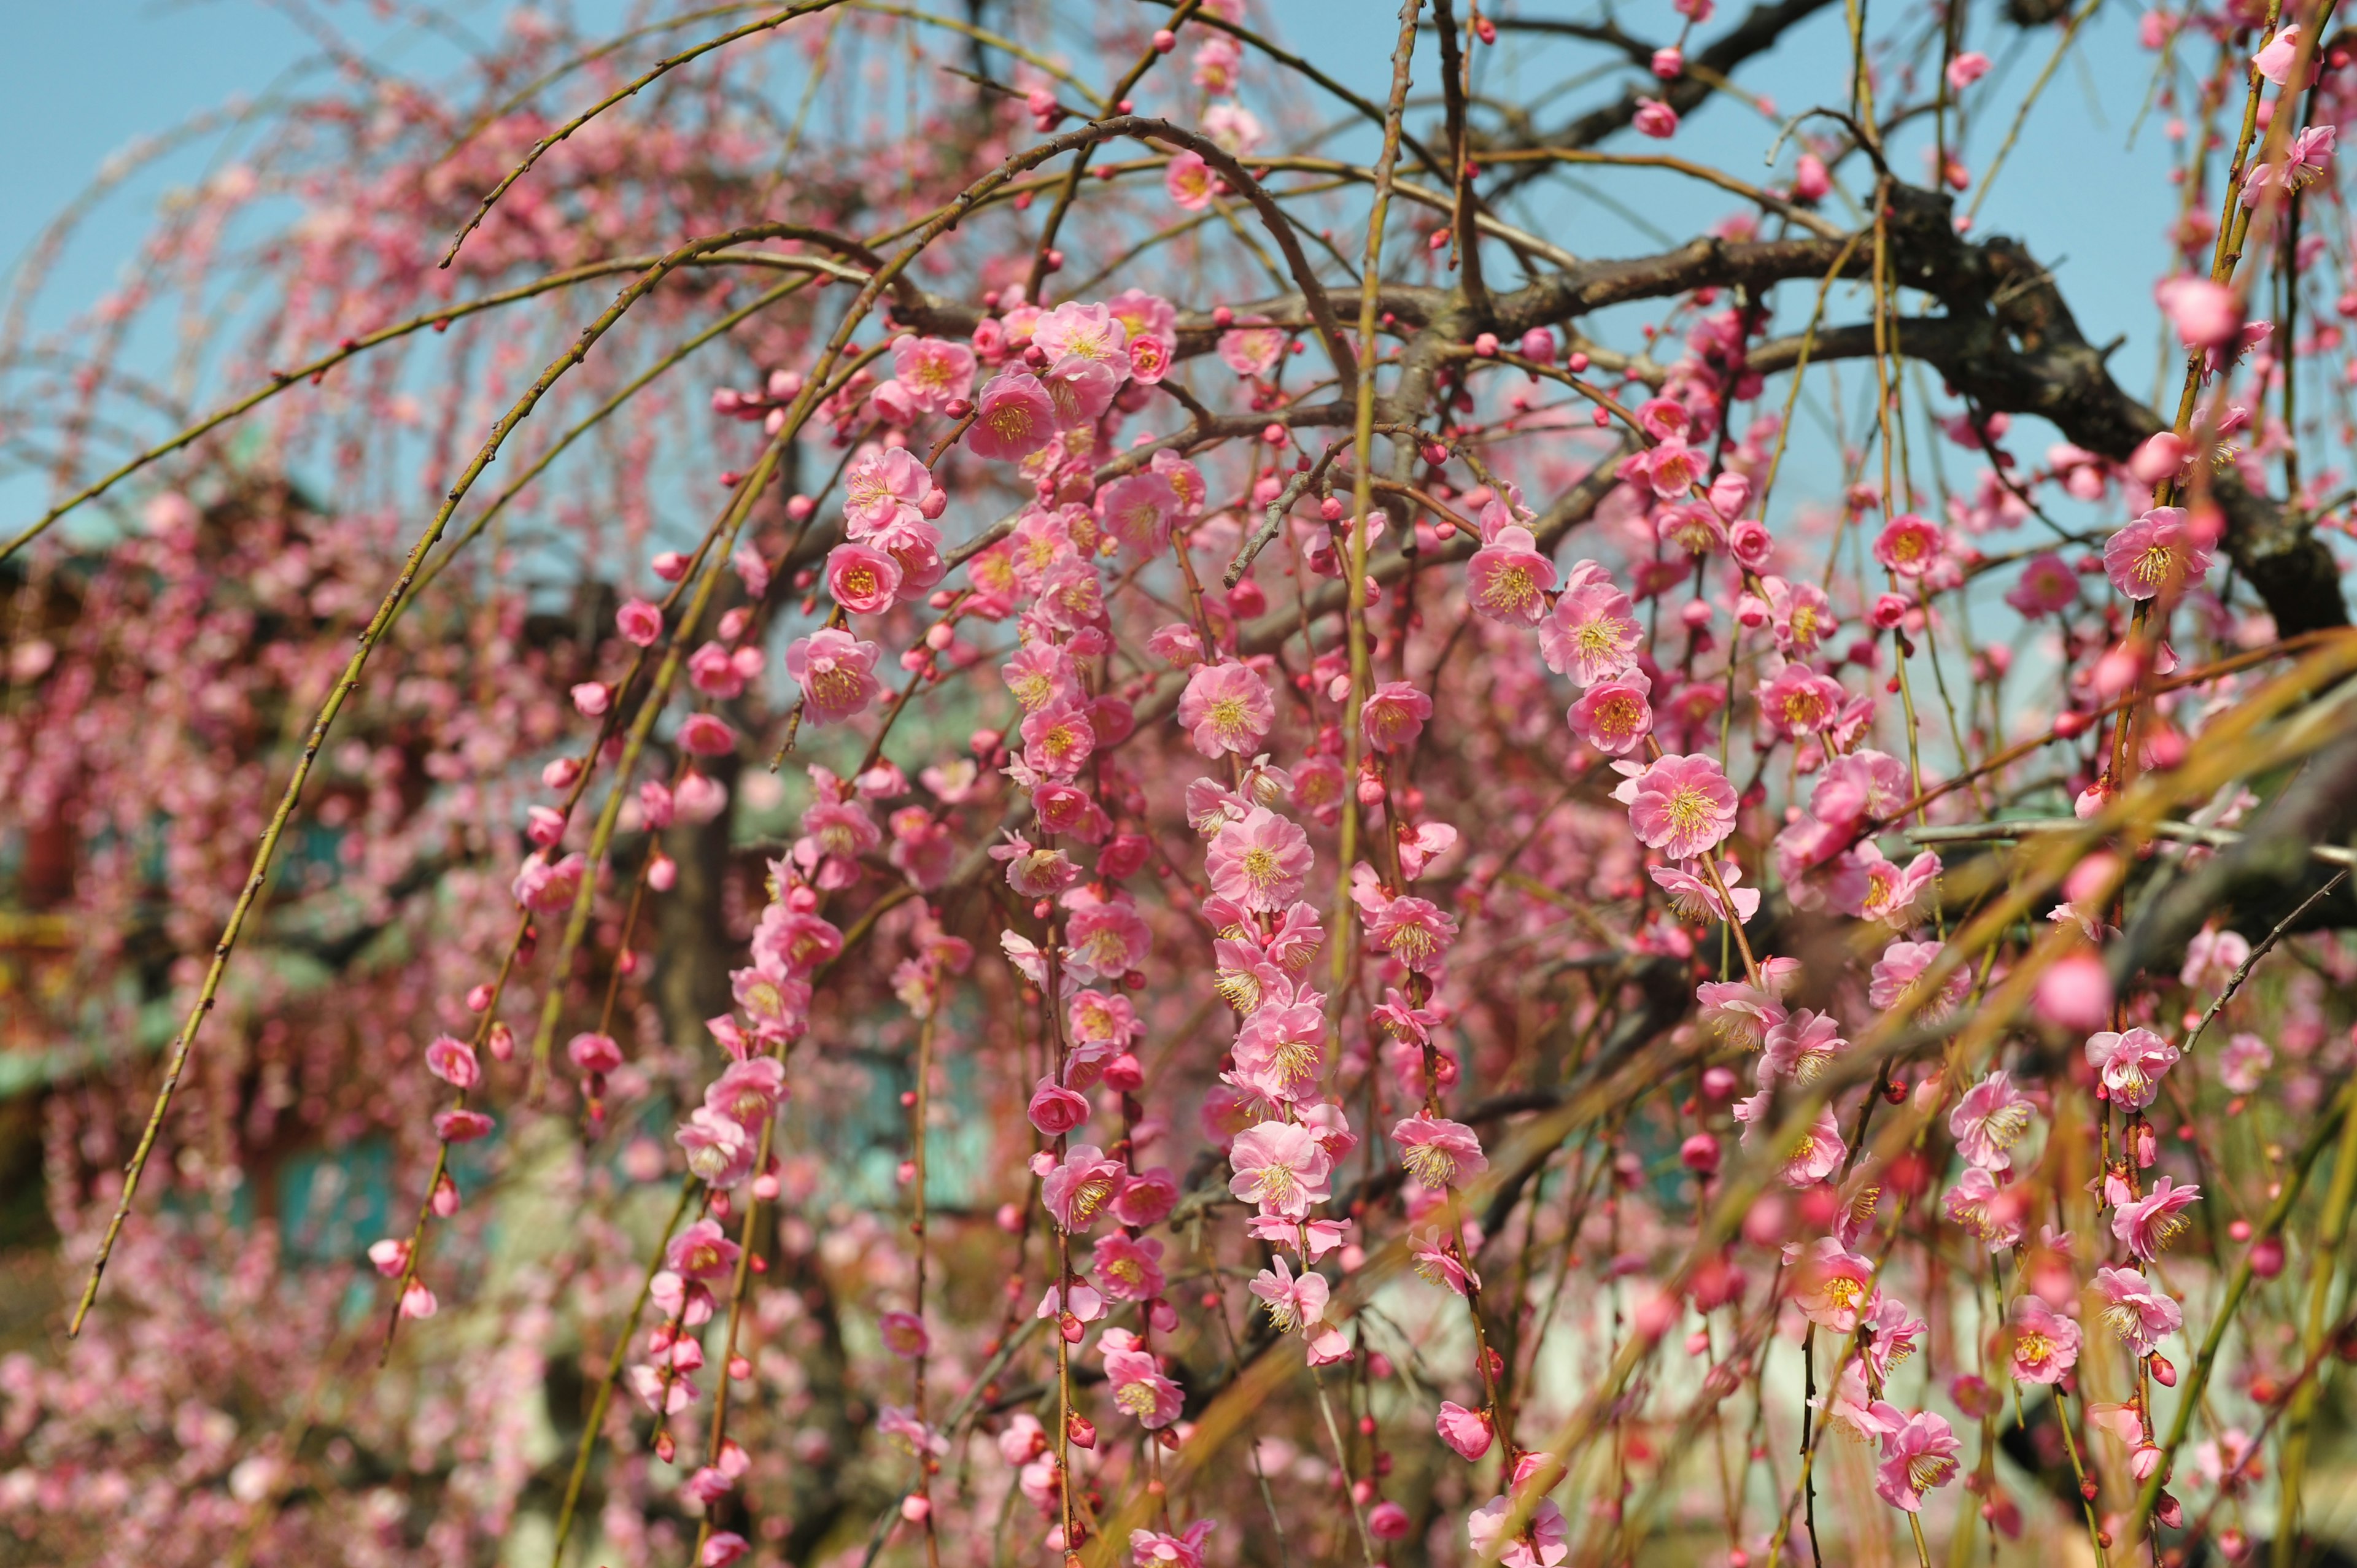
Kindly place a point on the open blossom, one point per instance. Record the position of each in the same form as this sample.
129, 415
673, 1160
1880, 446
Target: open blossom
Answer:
1694, 898
1293, 1303
882, 490
1226, 708
1139, 1387
1910, 544
1150, 1549
1985, 1210
1904, 962
1260, 862
2131, 1065
932, 371
1130, 1269
2147, 1225
1614, 716
1799, 702
2244, 1062
1811, 1157
702, 1251
1801, 1046
1545, 1543
1077, 1191
2309, 154
1013, 418
1831, 1285
1413, 931
1393, 714
1438, 1152
836, 673
2043, 1343
1683, 806
1988, 1120
1280, 1167
719, 1149
1919, 1455
2158, 555
2137, 1309
1592, 633
1508, 580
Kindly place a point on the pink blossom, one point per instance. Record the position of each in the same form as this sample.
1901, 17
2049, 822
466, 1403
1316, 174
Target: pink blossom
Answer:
836, 673
1226, 708
640, 622
1694, 897
593, 1053
882, 490
2276, 57
1261, 862
1655, 119
1592, 634
1189, 181
932, 371
2158, 555
1055, 1109
1149, 1549
1815, 1154
461, 1126
1137, 511
1545, 1543
719, 1150
2206, 315
1393, 714
706, 736
1680, 805
863, 580
1801, 1047
1871, 887
1438, 1152
1413, 932
1147, 1199
2147, 1225
1130, 1270
1614, 715
2044, 1343
453, 1061
1984, 1210
1015, 418
1910, 544
1831, 1285
1293, 1303
1465, 1431
2309, 154
1077, 1191
2243, 1063
1918, 1456
1904, 962
2131, 1065
1058, 740
550, 889
1988, 1120
702, 1251
1508, 580
1139, 1387
1251, 348
1966, 68
2137, 1309
1280, 1169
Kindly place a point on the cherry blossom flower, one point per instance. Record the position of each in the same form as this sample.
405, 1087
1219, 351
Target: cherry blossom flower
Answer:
1988, 1120
1984, 1210
1261, 862
1910, 544
2131, 1065
1508, 580
1438, 1152
1680, 805
1293, 1303
1150, 1549
1130, 1269
1013, 418
1613, 715
1226, 708
2147, 1225
1548, 1540
1832, 1283
1815, 1154
836, 673
2158, 555
1465, 1431
1919, 1455
1695, 898
1139, 1387
1592, 633
1280, 1169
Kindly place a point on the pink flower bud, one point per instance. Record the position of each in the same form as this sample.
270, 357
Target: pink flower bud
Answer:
2075, 993
1700, 1153
1670, 63
671, 565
